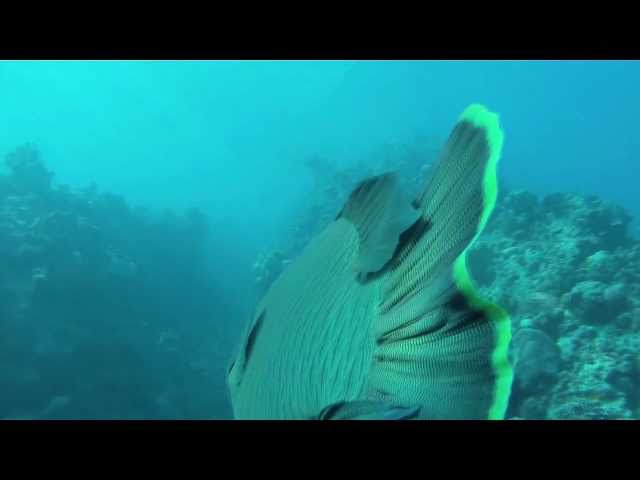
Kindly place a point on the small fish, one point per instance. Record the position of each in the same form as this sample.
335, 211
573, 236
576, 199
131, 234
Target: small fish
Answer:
378, 318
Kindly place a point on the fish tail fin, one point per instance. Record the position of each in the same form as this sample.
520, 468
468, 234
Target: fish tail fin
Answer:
439, 344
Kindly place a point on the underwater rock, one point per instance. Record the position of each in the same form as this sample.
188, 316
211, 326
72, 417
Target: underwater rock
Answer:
597, 303
576, 339
607, 222
481, 264
536, 360
600, 264
616, 296
533, 408
546, 320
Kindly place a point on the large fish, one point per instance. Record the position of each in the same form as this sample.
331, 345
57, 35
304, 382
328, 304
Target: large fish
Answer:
379, 318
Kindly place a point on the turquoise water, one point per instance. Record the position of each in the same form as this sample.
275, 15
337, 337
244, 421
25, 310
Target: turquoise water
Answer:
227, 135
230, 139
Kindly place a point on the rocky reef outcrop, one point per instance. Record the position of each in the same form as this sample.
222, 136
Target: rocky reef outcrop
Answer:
566, 267
106, 311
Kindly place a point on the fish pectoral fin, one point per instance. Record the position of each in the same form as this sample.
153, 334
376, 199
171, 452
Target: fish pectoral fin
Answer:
380, 213
367, 410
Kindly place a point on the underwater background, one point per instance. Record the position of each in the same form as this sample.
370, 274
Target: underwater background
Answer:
145, 206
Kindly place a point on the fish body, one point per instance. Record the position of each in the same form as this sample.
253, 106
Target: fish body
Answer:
378, 318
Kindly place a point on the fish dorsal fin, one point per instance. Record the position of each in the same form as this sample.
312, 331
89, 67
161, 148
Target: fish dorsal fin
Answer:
380, 212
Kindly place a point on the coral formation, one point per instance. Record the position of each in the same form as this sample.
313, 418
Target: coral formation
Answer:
568, 267
93, 301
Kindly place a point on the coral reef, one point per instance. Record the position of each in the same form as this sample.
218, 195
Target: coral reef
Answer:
567, 266
535, 359
94, 298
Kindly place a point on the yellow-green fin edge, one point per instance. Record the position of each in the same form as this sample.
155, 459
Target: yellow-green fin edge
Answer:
481, 117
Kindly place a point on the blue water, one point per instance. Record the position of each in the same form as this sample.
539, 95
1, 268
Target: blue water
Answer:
230, 137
